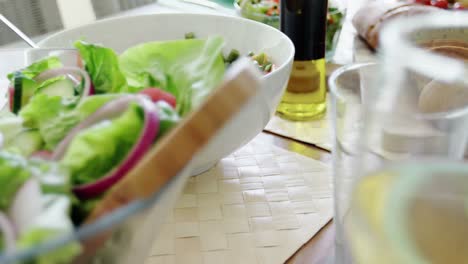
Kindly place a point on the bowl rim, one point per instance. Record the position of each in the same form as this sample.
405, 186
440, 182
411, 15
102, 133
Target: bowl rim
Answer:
247, 22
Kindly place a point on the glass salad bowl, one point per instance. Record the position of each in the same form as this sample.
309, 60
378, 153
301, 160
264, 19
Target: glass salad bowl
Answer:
74, 122
44, 206
124, 32
43, 228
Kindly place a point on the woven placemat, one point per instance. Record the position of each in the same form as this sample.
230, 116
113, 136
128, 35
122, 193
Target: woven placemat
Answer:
259, 205
317, 132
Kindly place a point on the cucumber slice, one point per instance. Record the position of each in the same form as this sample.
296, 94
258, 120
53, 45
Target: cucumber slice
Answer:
58, 86
23, 90
27, 142
18, 93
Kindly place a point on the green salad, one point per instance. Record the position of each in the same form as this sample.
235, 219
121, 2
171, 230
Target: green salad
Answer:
268, 12
73, 132
264, 7
265, 11
262, 60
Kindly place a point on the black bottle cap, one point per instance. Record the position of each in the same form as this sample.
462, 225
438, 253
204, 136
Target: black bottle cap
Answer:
304, 22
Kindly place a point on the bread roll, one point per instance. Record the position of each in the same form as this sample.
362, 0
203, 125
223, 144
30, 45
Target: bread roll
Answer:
370, 19
442, 97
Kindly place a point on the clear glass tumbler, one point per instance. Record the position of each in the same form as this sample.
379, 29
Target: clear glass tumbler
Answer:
414, 111
410, 212
349, 88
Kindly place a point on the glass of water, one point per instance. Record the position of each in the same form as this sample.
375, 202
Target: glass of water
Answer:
410, 212
350, 87
395, 121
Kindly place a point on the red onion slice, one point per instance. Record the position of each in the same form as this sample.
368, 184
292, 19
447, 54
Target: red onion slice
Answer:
11, 94
42, 154
87, 89
26, 206
8, 234
91, 89
109, 111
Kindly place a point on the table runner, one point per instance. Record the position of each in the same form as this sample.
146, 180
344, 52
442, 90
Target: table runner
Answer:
258, 205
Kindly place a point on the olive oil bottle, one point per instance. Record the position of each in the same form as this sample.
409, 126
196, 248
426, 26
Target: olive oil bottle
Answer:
304, 22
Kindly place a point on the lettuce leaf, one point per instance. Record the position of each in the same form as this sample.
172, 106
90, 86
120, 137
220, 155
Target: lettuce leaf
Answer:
38, 67
55, 202
55, 116
14, 171
51, 115
168, 118
189, 69
98, 149
53, 222
10, 126
102, 65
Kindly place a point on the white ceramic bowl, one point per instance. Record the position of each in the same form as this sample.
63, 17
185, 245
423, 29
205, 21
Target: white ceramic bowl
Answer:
242, 34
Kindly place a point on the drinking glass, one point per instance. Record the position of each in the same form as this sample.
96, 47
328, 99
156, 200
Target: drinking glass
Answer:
412, 113
349, 88
410, 212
